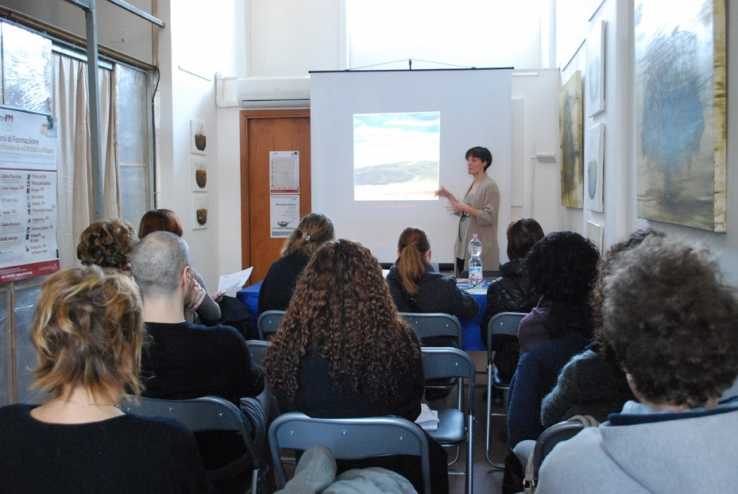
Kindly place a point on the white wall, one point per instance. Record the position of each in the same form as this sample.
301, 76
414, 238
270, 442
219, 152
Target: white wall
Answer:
620, 216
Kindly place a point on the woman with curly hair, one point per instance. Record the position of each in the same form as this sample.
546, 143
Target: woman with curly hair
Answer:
108, 244
342, 351
314, 230
561, 269
88, 331
671, 321
593, 383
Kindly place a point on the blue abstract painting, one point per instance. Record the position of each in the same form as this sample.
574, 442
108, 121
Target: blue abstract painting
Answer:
681, 111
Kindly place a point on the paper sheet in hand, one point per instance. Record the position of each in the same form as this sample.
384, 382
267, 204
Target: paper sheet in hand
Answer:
234, 281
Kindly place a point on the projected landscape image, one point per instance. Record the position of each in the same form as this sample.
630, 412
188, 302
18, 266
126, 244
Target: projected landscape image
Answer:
396, 156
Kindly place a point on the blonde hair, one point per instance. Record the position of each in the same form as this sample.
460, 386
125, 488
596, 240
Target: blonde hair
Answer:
411, 265
88, 331
314, 230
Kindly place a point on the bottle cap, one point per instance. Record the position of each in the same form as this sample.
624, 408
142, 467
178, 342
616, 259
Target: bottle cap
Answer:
474, 235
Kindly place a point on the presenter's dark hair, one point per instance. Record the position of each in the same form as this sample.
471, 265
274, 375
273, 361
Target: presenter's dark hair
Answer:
671, 320
342, 311
108, 244
482, 153
522, 234
314, 230
411, 263
159, 220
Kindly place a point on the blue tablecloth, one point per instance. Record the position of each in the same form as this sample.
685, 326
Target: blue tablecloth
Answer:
471, 340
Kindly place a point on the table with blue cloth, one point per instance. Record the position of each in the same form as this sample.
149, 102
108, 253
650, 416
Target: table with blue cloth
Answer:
470, 339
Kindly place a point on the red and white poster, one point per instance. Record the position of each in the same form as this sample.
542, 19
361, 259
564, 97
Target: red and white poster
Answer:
28, 201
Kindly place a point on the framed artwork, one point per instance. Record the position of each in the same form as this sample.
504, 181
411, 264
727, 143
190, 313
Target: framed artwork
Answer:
595, 75
596, 234
198, 137
680, 81
594, 156
570, 131
199, 211
199, 174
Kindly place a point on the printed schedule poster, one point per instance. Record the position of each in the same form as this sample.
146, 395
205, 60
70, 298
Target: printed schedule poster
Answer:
28, 201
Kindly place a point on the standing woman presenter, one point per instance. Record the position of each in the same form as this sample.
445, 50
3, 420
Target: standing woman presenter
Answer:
478, 212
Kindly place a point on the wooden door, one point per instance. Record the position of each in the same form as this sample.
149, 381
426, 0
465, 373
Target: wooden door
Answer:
263, 131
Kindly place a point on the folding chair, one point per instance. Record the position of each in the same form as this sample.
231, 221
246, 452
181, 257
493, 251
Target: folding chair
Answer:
504, 323
434, 325
258, 349
268, 323
349, 439
456, 425
209, 413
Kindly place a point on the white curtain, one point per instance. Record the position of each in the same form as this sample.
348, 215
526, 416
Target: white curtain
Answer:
71, 108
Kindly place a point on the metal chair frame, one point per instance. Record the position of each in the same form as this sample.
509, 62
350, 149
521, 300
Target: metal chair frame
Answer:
349, 439
504, 323
208, 413
268, 322
456, 424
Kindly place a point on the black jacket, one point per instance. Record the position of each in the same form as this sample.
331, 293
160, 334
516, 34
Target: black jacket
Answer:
509, 293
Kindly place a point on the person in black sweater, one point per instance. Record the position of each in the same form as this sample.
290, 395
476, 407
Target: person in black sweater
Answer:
416, 287
79, 440
342, 351
511, 292
314, 230
187, 360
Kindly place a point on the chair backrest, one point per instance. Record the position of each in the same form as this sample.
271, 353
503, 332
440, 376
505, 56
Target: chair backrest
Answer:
258, 350
434, 324
503, 323
550, 438
349, 439
269, 322
439, 362
208, 413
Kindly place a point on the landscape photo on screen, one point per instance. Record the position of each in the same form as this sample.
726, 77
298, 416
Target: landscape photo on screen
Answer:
396, 156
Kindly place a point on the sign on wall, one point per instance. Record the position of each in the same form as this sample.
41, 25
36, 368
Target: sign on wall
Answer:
28, 200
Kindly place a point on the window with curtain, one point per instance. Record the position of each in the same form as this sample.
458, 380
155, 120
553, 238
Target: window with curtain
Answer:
40, 78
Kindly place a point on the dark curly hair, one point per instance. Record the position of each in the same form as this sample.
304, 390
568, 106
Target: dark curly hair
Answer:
603, 269
108, 244
672, 322
343, 312
562, 268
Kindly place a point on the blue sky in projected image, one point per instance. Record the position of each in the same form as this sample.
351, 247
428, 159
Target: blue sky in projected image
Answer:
381, 138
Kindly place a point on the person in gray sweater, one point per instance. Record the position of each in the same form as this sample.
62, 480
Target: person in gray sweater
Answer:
671, 321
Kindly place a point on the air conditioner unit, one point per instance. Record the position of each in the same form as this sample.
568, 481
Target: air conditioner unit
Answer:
274, 92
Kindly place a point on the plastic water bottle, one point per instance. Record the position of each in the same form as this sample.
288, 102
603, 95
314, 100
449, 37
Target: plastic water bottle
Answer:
476, 273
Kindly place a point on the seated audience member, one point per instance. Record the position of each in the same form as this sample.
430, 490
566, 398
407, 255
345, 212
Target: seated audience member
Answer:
187, 360
672, 324
199, 302
416, 287
561, 269
511, 292
314, 230
563, 327
342, 351
108, 244
88, 333
593, 383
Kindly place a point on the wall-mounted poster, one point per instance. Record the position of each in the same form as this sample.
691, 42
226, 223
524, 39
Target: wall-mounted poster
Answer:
570, 128
595, 75
594, 156
284, 215
680, 82
199, 173
198, 137
284, 172
28, 202
200, 211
